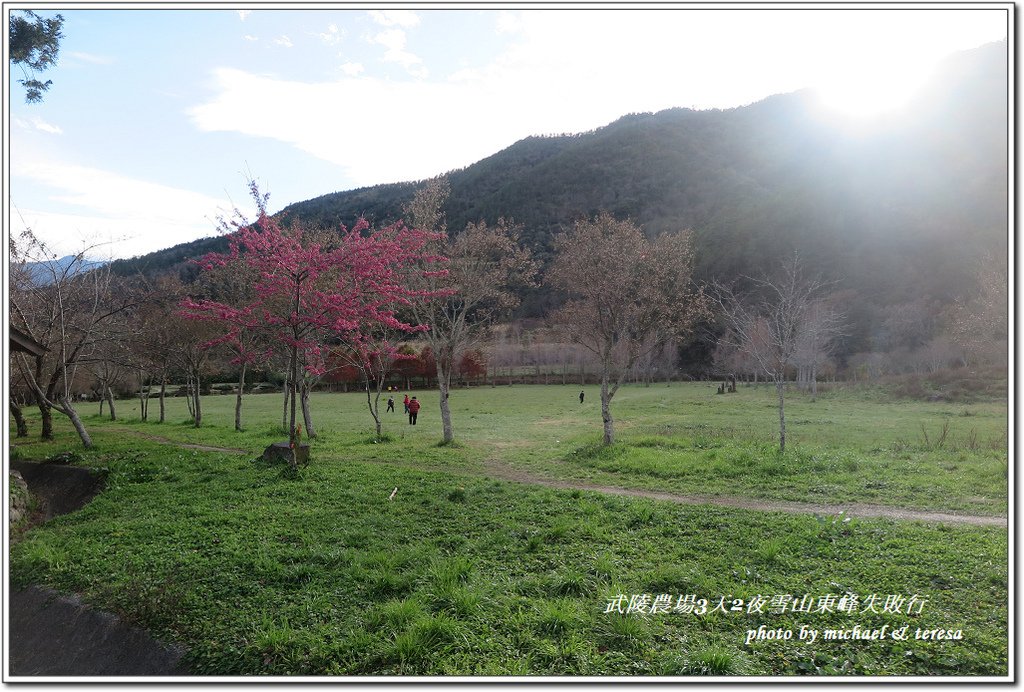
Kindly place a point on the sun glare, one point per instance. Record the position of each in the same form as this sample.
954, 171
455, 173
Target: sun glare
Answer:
870, 92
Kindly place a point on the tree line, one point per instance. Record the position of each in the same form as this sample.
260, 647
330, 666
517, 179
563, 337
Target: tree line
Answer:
375, 306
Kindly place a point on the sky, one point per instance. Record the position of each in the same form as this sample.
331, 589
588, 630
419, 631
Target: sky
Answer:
157, 118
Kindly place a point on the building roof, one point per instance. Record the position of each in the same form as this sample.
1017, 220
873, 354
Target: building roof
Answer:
20, 341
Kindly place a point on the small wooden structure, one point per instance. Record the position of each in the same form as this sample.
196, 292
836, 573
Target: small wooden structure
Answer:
20, 342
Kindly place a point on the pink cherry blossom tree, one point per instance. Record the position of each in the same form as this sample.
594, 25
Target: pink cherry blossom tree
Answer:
310, 287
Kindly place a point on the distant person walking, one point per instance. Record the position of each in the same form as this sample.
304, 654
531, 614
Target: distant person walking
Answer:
581, 397
391, 404
406, 403
414, 408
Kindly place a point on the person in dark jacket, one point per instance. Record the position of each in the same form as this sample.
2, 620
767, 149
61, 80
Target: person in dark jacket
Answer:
581, 397
391, 404
414, 408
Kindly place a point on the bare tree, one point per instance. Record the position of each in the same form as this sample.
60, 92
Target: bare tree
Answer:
374, 357
774, 323
979, 322
191, 356
485, 264
65, 305
627, 296
941, 352
107, 364
158, 335
816, 342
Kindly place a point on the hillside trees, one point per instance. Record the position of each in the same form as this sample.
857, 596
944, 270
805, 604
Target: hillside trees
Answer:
627, 296
486, 264
782, 323
979, 320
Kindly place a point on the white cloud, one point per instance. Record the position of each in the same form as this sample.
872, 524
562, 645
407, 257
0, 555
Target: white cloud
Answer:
90, 58
283, 41
367, 126
250, 37
242, 14
562, 71
394, 41
406, 18
352, 69
508, 22
332, 36
89, 206
36, 123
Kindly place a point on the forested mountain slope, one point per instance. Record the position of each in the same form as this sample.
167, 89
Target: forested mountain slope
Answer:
892, 210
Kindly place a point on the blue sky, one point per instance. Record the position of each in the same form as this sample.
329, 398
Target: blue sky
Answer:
156, 117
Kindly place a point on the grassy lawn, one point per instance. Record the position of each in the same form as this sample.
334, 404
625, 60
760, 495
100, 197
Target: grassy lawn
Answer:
258, 572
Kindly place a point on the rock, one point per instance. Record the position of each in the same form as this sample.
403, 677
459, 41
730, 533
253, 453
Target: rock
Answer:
19, 497
281, 451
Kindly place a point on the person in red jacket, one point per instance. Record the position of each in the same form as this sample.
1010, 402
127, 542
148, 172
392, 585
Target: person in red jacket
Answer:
405, 402
414, 408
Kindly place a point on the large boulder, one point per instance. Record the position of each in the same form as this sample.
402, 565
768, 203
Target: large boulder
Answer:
282, 451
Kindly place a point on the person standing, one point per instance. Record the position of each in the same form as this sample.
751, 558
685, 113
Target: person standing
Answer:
405, 403
391, 404
414, 408
581, 397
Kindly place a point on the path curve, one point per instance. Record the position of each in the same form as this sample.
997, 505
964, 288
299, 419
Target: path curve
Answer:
850, 510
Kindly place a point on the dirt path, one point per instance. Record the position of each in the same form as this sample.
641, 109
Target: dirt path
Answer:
185, 445
503, 472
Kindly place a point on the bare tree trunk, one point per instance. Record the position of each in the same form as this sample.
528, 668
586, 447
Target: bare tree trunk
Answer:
45, 409
814, 383
374, 410
287, 395
238, 399
779, 389
606, 411
46, 416
143, 397
19, 419
446, 413
69, 410
110, 400
189, 399
306, 415
293, 388
198, 406
163, 396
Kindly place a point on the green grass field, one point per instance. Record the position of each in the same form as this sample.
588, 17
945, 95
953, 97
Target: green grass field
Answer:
260, 572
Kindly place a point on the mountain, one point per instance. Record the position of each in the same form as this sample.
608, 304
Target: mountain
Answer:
41, 273
894, 211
